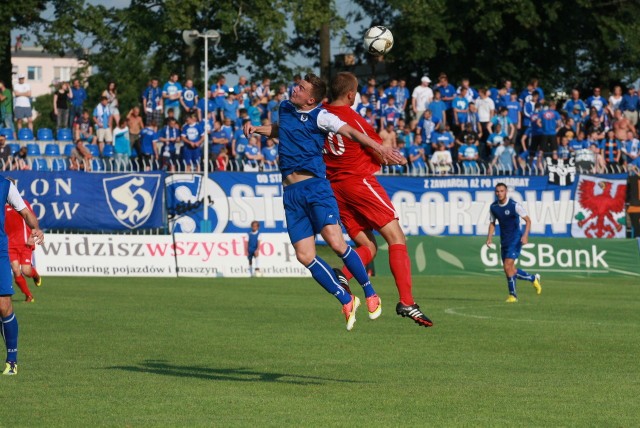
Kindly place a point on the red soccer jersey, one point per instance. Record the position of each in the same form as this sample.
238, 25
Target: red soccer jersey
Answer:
15, 227
347, 158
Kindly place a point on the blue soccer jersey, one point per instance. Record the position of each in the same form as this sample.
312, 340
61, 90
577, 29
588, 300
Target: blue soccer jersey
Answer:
148, 137
302, 135
254, 238
508, 216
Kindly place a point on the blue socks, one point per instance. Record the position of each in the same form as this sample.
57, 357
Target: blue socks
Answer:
511, 282
10, 333
324, 275
353, 262
523, 275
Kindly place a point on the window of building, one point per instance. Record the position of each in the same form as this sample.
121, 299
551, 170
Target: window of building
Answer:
63, 74
34, 73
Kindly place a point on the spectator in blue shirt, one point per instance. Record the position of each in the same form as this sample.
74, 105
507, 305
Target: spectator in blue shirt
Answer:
438, 108
270, 154
171, 94
460, 109
417, 161
597, 101
77, 102
230, 107
468, 156
390, 114
630, 105
189, 97
448, 92
575, 103
513, 108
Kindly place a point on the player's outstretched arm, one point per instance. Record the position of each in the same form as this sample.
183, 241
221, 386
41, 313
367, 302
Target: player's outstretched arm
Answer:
266, 130
387, 155
527, 227
32, 221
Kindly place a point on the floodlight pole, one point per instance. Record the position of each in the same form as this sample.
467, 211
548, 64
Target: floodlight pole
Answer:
205, 225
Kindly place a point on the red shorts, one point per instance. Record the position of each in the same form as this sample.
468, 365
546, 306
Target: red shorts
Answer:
363, 205
22, 254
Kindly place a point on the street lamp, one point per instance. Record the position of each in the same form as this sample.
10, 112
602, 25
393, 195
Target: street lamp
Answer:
189, 37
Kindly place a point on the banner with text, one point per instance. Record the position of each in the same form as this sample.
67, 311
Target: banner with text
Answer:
198, 255
80, 200
558, 257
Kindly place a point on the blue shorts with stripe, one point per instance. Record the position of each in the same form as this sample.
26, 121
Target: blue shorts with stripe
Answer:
511, 250
309, 205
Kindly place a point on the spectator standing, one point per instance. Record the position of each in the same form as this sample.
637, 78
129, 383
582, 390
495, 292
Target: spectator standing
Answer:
402, 97
148, 148
230, 107
486, 109
597, 101
270, 154
468, 155
630, 105
273, 107
550, 122
79, 96
504, 159
448, 92
6, 107
121, 145
192, 137
610, 150
171, 94
169, 136
421, 97
441, 160
112, 102
102, 118
391, 114
460, 106
135, 125
630, 148
62, 98
153, 102
22, 106
615, 99
219, 139
417, 158
219, 92
574, 103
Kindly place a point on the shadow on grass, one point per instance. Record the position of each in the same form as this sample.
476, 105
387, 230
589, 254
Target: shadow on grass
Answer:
161, 367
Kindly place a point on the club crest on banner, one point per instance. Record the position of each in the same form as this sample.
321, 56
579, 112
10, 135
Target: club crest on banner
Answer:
131, 197
599, 208
185, 199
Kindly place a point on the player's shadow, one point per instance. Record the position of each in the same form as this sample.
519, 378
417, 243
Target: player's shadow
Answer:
242, 374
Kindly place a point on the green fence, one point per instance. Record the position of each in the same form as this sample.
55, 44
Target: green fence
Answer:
456, 255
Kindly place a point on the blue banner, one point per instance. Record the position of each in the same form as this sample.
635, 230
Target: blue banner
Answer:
86, 201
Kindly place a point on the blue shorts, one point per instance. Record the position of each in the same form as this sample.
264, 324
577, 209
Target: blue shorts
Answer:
6, 276
250, 252
511, 251
190, 155
309, 206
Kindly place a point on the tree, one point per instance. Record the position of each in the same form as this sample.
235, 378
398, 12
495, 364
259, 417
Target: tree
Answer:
565, 44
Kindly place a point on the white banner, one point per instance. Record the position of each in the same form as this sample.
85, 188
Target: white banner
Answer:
195, 255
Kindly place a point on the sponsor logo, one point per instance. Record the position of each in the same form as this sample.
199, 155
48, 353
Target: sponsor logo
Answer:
186, 202
131, 197
547, 257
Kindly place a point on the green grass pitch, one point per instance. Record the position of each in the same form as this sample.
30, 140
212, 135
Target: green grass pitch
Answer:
272, 352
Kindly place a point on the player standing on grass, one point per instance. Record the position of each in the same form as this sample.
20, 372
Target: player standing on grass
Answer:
253, 245
9, 328
309, 203
364, 205
508, 213
21, 248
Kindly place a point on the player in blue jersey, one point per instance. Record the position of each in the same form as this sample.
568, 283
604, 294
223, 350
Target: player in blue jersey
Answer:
309, 203
253, 246
508, 213
9, 324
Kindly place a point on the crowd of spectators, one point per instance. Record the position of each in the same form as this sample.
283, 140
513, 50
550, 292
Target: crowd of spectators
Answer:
441, 128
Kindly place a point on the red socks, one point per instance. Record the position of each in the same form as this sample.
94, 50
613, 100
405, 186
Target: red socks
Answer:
22, 283
401, 270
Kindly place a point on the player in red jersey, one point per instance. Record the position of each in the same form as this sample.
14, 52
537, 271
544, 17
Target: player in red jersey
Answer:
363, 203
21, 248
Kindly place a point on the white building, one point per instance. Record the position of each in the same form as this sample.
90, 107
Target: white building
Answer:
44, 70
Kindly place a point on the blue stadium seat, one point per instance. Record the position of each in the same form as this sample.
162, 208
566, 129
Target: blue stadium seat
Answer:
39, 164
58, 164
108, 151
25, 134
64, 134
8, 133
68, 149
33, 149
45, 134
14, 148
93, 149
52, 149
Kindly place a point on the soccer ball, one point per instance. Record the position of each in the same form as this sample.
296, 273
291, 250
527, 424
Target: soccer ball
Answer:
378, 40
